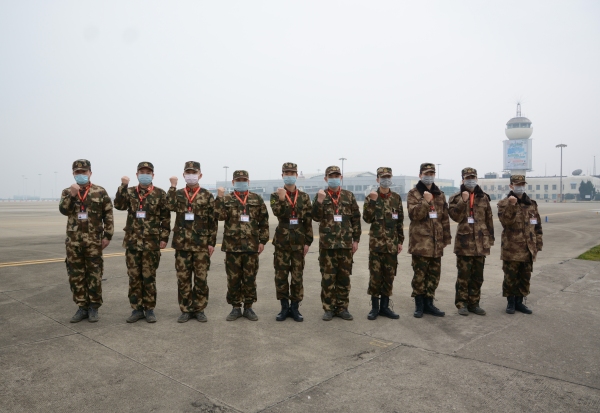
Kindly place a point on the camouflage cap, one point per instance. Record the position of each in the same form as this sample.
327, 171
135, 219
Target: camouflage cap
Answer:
193, 165
241, 174
82, 164
145, 165
384, 170
427, 167
289, 167
333, 170
517, 179
469, 172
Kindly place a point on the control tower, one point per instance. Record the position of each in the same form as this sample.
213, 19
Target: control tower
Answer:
517, 149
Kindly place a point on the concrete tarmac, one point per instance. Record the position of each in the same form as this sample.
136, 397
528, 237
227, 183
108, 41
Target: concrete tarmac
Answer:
545, 362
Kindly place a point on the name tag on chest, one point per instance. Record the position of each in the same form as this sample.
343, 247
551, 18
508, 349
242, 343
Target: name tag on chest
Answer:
244, 218
294, 221
394, 215
533, 221
337, 218
471, 220
432, 214
189, 216
82, 215
140, 214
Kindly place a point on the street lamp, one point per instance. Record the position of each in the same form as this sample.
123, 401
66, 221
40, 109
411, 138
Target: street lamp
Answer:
226, 168
561, 146
438, 165
343, 159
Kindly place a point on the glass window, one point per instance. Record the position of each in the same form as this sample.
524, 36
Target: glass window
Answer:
529, 187
553, 196
573, 186
492, 187
538, 196
537, 187
554, 187
545, 187
485, 187
545, 196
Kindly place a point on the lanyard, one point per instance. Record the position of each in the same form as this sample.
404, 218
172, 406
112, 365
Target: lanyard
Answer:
82, 199
293, 204
335, 200
432, 206
137, 188
191, 199
471, 200
240, 199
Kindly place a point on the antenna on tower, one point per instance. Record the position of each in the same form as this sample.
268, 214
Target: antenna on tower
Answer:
518, 109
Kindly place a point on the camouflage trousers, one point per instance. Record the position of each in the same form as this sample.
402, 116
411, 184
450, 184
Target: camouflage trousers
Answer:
382, 270
336, 268
85, 266
192, 298
141, 269
426, 275
517, 276
241, 269
288, 262
468, 281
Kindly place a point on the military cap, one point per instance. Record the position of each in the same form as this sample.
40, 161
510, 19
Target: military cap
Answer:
384, 170
241, 174
192, 165
517, 179
332, 170
145, 165
82, 164
427, 167
468, 172
289, 167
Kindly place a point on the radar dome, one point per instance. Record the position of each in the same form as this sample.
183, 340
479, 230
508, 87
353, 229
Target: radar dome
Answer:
577, 172
518, 127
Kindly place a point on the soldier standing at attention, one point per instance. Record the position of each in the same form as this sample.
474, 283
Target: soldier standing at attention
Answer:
338, 216
292, 239
90, 228
429, 234
244, 237
383, 210
146, 233
521, 241
194, 239
471, 209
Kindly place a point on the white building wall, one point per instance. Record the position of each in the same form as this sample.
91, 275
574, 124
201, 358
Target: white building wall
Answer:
538, 188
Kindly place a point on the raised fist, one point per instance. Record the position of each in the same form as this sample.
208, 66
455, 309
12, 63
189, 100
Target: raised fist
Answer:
320, 196
512, 200
173, 180
75, 189
125, 180
373, 195
465, 196
427, 195
220, 192
281, 193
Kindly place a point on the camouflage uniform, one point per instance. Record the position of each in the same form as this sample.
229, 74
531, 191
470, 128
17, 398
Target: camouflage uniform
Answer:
386, 217
191, 239
240, 242
84, 239
142, 239
521, 241
472, 242
335, 245
289, 241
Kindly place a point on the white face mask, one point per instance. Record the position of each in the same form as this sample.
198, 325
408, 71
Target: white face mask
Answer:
191, 179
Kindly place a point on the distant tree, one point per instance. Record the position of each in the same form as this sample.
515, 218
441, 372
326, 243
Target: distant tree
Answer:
587, 188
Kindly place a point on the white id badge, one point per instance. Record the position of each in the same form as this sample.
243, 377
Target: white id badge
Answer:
293, 221
471, 220
433, 214
533, 221
189, 216
140, 214
245, 218
337, 218
394, 215
82, 215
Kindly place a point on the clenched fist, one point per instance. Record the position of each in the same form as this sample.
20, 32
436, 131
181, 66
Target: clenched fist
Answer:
173, 180
220, 192
320, 196
465, 196
75, 189
281, 193
427, 195
373, 196
125, 180
512, 200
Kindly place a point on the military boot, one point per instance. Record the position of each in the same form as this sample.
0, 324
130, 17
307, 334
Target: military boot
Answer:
236, 312
385, 310
183, 318
345, 314
79, 315
200, 316
374, 308
295, 312
93, 316
250, 314
419, 306
150, 317
327, 316
135, 316
463, 311
477, 310
285, 308
519, 306
510, 306
429, 308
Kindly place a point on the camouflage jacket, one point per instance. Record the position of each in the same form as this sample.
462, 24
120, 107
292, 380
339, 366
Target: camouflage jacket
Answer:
386, 232
472, 239
99, 223
289, 236
520, 237
427, 237
144, 234
337, 235
241, 236
198, 234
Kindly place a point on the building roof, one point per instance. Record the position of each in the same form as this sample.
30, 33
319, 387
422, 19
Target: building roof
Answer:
520, 119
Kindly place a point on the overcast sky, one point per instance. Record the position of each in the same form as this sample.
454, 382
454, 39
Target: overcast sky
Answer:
253, 84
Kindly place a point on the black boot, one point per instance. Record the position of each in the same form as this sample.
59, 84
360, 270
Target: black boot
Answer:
285, 307
519, 306
429, 308
374, 308
294, 311
385, 308
419, 306
510, 306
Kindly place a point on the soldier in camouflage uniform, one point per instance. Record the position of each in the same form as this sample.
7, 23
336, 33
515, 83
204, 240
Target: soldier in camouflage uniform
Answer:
194, 239
244, 237
428, 235
338, 216
383, 210
471, 209
521, 241
146, 233
292, 239
90, 228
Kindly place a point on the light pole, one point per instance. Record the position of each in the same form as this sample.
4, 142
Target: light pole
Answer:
343, 159
438, 165
226, 168
561, 146
55, 172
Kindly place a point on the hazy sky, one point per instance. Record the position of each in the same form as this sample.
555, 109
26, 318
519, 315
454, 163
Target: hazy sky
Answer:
253, 84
